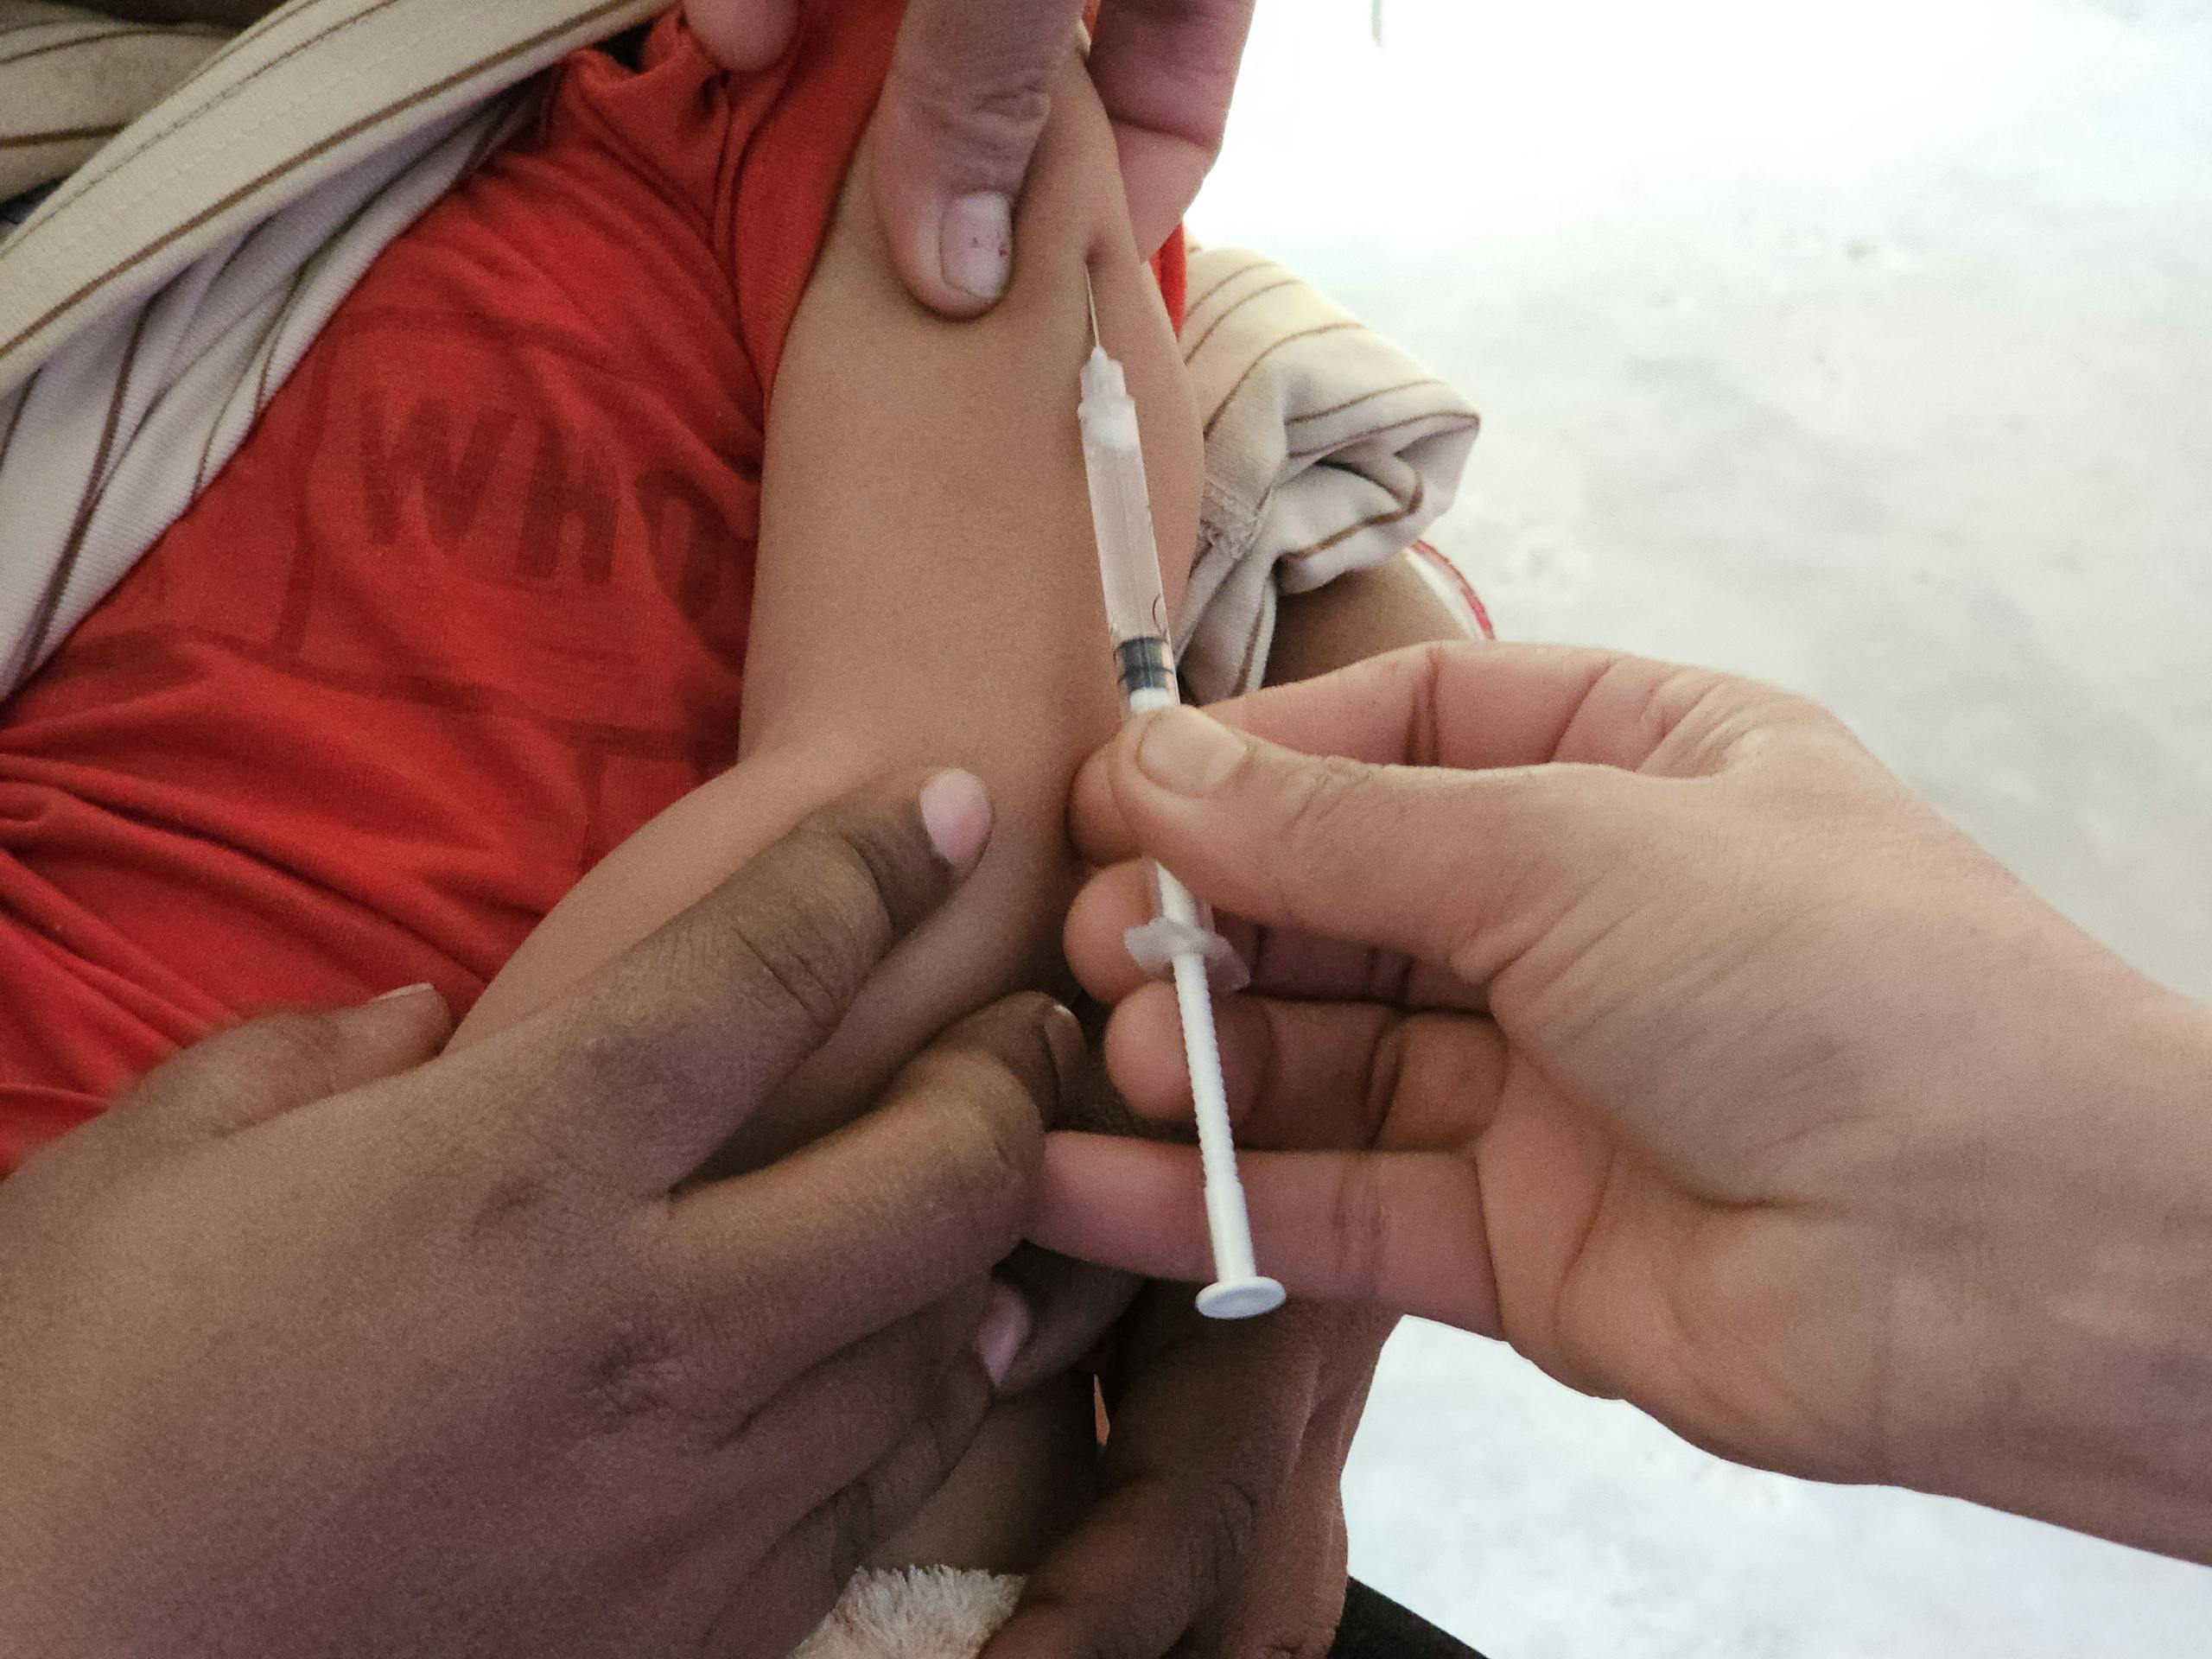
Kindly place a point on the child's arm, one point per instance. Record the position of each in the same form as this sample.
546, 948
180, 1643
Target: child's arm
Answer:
1362, 614
926, 593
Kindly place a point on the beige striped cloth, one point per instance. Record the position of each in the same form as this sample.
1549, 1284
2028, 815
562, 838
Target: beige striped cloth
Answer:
155, 302
1328, 449
71, 80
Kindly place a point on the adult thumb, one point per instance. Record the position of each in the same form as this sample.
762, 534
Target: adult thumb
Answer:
970, 89
1462, 869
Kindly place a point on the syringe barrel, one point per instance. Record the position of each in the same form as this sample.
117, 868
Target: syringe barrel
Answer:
1121, 506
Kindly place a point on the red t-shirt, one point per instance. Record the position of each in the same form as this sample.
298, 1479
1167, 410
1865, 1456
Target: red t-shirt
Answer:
468, 606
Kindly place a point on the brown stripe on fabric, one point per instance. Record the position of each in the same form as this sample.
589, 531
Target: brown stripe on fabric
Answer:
1457, 423
15, 415
1273, 347
1198, 345
1251, 648
99, 37
88, 498
292, 164
260, 360
1191, 307
213, 31
147, 141
30, 23
276, 334
1363, 397
58, 136
1404, 509
261, 26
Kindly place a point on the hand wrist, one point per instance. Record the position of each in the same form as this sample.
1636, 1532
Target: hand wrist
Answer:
2081, 1346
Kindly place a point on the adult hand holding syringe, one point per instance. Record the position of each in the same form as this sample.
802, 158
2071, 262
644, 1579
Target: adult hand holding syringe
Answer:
1179, 936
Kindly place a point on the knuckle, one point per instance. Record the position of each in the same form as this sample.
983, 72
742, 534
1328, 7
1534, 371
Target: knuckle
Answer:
809, 970
981, 109
1311, 824
887, 849
1358, 1227
512, 1203
987, 1162
622, 1056
610, 1057
1225, 1514
819, 930
1311, 1640
1386, 1075
638, 1377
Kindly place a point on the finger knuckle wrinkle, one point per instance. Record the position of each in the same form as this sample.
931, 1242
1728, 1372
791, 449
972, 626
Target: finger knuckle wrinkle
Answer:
994, 1163
513, 1203
812, 968
1385, 1077
1357, 1229
892, 880
1429, 668
994, 108
626, 1060
1312, 1641
978, 1174
1227, 1510
1311, 818
636, 1379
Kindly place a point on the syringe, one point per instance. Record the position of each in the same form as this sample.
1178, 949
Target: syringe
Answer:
1179, 933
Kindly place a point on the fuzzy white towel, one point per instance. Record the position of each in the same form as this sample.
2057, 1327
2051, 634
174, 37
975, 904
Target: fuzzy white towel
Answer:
915, 1612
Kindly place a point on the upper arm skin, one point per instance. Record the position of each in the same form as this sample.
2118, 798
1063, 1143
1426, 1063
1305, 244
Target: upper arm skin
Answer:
1362, 614
926, 594
928, 587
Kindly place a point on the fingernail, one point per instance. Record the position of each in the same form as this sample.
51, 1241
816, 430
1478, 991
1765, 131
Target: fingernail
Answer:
957, 812
1063, 1036
1186, 752
1006, 1326
416, 989
976, 244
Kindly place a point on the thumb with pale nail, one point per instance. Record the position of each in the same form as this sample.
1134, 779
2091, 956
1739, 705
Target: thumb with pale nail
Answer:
966, 100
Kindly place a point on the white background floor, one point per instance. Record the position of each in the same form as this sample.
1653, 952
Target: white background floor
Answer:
1867, 349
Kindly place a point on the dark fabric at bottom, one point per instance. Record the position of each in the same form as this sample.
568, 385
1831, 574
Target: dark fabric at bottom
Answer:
1375, 1627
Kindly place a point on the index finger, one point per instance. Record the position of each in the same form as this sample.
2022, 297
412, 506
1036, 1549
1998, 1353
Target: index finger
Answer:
655, 1060
1164, 70
888, 1214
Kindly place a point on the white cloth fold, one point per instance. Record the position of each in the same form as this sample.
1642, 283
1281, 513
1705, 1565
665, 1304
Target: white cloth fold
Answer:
1328, 449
